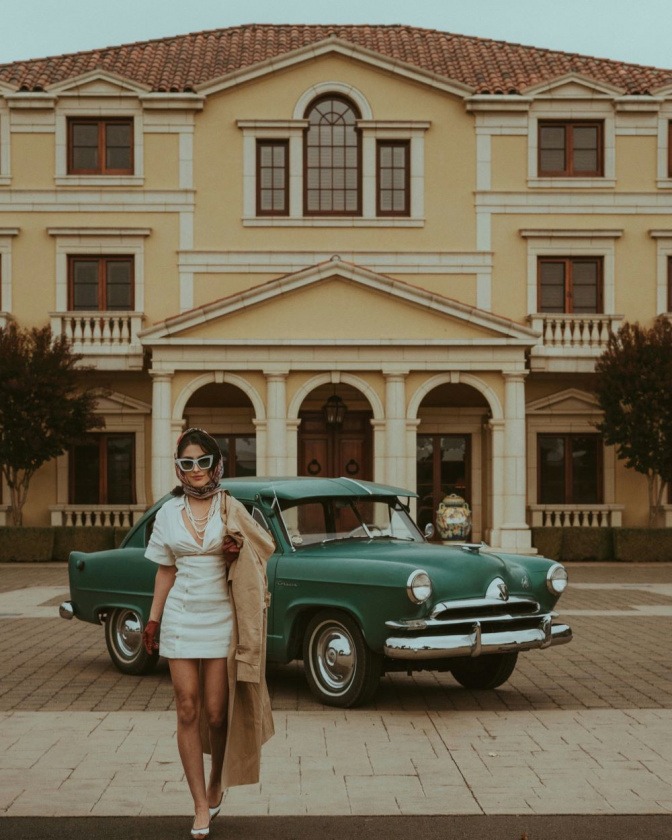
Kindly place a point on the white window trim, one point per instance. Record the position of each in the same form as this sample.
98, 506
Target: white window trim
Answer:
6, 236
71, 242
663, 239
565, 112
5, 146
127, 419
106, 111
371, 130
572, 243
555, 421
664, 181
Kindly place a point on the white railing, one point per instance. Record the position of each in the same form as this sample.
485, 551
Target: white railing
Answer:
574, 332
91, 331
576, 516
87, 516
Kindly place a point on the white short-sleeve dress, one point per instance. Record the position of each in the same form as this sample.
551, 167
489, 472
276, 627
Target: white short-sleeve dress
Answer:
197, 617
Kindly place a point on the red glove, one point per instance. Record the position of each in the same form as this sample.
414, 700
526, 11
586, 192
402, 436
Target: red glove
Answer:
149, 635
231, 549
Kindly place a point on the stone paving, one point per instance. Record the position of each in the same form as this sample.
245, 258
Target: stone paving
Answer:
585, 728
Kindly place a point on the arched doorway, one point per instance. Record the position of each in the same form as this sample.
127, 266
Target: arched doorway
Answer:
335, 434
450, 445
226, 412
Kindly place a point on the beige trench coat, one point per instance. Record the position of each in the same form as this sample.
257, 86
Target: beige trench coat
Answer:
250, 722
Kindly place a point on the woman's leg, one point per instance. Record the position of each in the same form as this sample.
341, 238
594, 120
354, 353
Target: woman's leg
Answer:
184, 674
216, 702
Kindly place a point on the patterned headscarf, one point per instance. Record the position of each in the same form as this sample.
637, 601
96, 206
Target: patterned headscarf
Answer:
216, 471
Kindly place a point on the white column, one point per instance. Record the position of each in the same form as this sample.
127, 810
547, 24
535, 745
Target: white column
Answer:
163, 476
276, 422
396, 456
496, 482
515, 534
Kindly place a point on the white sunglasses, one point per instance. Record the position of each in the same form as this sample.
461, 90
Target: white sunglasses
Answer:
188, 464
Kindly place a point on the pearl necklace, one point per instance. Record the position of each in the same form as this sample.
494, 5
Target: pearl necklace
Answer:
200, 523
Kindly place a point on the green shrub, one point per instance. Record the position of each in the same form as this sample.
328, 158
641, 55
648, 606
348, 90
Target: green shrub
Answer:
20, 544
587, 544
643, 545
72, 538
548, 542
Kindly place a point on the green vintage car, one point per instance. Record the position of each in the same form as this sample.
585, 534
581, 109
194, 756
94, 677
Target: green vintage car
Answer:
356, 591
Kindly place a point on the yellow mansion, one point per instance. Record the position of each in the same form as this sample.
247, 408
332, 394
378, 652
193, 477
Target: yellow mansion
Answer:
380, 252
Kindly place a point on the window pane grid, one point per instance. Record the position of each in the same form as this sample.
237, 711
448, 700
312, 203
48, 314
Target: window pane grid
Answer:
100, 147
332, 169
570, 148
569, 469
570, 285
102, 470
272, 178
393, 178
101, 283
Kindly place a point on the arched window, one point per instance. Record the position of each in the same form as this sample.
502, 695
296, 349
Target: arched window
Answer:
332, 158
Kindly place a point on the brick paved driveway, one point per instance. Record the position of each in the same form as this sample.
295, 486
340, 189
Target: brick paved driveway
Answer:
619, 658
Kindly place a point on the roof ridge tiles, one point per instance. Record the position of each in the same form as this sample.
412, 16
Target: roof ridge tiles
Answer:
179, 62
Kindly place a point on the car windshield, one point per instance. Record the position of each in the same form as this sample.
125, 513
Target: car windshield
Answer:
312, 521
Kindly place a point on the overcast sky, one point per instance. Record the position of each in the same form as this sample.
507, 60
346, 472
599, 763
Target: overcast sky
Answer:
627, 30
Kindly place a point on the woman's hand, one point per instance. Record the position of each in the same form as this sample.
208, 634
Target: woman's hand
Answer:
231, 549
149, 639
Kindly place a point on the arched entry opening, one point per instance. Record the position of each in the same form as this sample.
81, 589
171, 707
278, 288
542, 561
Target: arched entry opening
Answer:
226, 412
335, 435
450, 451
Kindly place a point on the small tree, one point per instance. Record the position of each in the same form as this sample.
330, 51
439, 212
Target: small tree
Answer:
634, 389
43, 409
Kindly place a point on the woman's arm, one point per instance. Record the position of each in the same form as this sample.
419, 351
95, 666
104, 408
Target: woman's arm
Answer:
163, 583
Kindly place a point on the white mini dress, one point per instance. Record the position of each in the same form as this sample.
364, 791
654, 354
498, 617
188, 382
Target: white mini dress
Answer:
197, 617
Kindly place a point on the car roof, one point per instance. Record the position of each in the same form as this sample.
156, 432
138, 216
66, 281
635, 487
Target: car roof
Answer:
299, 487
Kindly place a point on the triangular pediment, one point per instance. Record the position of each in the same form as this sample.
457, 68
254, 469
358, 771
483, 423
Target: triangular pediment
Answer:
342, 302
573, 86
570, 401
113, 403
333, 46
99, 83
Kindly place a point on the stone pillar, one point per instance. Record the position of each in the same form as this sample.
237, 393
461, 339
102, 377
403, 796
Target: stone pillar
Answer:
515, 532
163, 475
496, 482
396, 455
276, 422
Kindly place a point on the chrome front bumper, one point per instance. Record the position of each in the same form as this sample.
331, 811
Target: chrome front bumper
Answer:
477, 642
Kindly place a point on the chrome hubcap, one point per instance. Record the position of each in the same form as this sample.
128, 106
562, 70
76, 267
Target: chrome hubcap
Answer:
128, 634
334, 658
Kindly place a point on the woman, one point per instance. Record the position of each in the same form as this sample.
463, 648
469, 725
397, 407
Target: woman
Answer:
209, 550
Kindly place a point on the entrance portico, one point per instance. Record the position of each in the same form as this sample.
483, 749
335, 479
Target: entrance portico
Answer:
395, 343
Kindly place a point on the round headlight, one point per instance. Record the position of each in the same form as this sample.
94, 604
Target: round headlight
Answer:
556, 579
419, 587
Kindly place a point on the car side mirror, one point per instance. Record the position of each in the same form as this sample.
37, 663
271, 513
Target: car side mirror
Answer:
429, 531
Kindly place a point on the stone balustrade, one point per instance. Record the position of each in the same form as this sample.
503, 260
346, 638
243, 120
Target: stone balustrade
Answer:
576, 516
84, 516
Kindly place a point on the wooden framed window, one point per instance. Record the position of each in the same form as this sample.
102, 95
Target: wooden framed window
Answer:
272, 178
240, 454
102, 470
570, 284
100, 283
332, 159
393, 177
100, 146
569, 469
571, 148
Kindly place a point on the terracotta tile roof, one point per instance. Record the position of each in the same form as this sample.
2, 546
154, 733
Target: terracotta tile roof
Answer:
183, 62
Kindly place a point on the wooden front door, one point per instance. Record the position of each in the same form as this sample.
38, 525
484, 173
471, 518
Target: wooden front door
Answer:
334, 451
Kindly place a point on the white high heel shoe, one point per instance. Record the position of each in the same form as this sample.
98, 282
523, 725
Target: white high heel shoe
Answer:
214, 811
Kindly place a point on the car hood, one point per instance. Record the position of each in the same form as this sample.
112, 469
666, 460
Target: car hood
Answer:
455, 572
